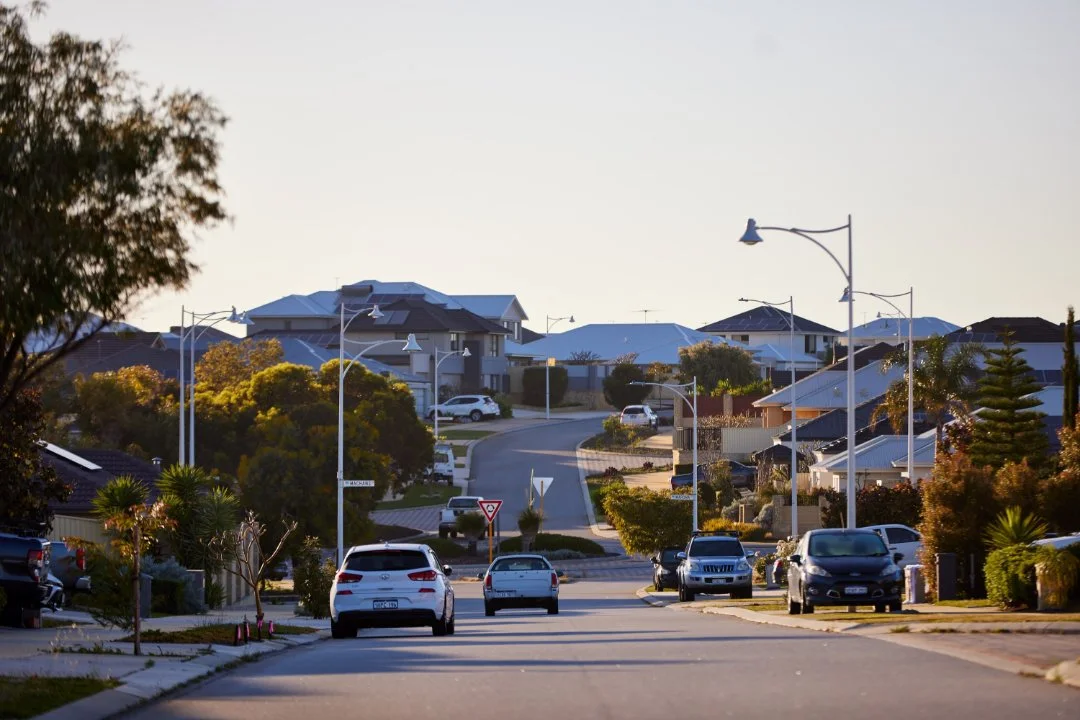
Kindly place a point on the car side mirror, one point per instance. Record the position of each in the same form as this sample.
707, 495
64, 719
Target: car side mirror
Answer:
897, 557
795, 559
480, 576
751, 553
655, 560
681, 556
447, 570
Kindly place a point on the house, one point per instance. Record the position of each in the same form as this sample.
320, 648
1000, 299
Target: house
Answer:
894, 330
1043, 342
442, 325
88, 470
767, 325
882, 460
502, 310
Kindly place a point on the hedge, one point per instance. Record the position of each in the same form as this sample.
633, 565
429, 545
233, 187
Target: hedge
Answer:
1010, 577
533, 385
553, 541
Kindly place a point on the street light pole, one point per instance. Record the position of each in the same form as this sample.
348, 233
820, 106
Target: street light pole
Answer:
794, 410
553, 321
693, 408
410, 346
183, 320
910, 367
751, 237
445, 354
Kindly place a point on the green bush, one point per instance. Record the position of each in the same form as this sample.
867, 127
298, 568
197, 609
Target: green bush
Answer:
1010, 577
171, 588
533, 385
445, 548
506, 406
215, 594
545, 542
880, 505
618, 392
112, 599
312, 577
748, 532
706, 495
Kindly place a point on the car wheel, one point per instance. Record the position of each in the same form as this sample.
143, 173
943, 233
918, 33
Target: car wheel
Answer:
341, 631
489, 609
453, 533
793, 606
895, 606
746, 594
431, 415
658, 585
439, 628
553, 607
476, 416
807, 608
880, 608
450, 626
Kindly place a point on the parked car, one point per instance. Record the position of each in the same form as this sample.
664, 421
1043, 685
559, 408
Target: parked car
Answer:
665, 568
391, 585
456, 506
442, 465
685, 480
901, 539
843, 567
741, 476
520, 581
714, 563
68, 564
639, 416
474, 407
1059, 542
24, 577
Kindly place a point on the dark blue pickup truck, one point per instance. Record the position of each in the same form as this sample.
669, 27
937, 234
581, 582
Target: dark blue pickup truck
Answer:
24, 572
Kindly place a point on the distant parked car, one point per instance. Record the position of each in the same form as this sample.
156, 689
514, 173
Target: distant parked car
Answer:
665, 568
901, 539
639, 416
474, 407
1060, 542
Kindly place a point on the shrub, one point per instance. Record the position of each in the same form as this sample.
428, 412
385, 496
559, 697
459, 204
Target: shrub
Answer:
720, 479
748, 532
471, 524
445, 548
1059, 573
1010, 577
618, 392
171, 588
533, 382
506, 406
616, 434
1014, 527
647, 466
312, 577
563, 554
646, 520
1017, 484
706, 495
547, 542
112, 599
529, 521
730, 511
215, 594
879, 505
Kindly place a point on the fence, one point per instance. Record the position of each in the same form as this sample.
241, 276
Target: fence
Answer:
65, 526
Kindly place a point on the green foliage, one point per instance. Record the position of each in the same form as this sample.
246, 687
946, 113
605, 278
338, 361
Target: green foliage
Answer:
131, 407
112, 602
228, 364
118, 496
706, 495
1014, 527
761, 386
599, 487
712, 363
1070, 372
1059, 494
200, 511
958, 504
533, 384
446, 548
313, 576
878, 505
943, 385
471, 524
720, 480
1010, 577
553, 542
171, 588
529, 521
1058, 572
112, 180
506, 405
646, 520
618, 392
748, 532
27, 483
1007, 428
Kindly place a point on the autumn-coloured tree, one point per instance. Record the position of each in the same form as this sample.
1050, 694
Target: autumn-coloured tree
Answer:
1017, 485
226, 364
1059, 494
132, 409
647, 520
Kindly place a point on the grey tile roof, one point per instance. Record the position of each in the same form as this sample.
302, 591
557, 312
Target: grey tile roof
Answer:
765, 318
653, 342
1024, 329
490, 306
923, 327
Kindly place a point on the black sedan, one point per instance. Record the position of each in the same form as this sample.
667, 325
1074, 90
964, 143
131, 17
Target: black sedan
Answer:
665, 564
843, 567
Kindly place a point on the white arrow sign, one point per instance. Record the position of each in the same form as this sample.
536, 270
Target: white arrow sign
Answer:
542, 484
358, 483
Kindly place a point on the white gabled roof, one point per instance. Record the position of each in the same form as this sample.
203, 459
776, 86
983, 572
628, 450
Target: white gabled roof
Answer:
885, 452
923, 327
294, 306
802, 386
653, 342
490, 306
870, 382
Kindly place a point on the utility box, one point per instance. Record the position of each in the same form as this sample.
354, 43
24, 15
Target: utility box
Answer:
946, 576
914, 584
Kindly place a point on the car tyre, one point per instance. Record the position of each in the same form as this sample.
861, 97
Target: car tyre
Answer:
746, 594
451, 626
807, 608
489, 609
880, 608
658, 585
341, 631
794, 607
553, 607
476, 416
439, 627
895, 606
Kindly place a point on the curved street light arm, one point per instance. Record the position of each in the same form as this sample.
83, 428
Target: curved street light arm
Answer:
790, 302
808, 235
672, 387
885, 298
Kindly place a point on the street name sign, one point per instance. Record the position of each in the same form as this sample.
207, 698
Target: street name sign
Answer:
490, 508
359, 483
682, 497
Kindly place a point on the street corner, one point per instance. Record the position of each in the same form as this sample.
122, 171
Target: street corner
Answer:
650, 597
1065, 673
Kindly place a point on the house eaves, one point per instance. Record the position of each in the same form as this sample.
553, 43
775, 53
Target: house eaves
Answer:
766, 319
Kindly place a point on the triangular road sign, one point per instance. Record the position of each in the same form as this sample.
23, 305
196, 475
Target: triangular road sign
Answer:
542, 484
490, 508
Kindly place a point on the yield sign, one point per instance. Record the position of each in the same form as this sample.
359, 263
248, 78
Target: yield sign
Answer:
490, 508
542, 484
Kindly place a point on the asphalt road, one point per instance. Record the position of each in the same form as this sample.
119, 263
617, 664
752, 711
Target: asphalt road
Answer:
501, 466
607, 655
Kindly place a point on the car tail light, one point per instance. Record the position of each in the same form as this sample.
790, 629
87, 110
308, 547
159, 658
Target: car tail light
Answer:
347, 577
487, 581
80, 559
423, 575
35, 561
554, 580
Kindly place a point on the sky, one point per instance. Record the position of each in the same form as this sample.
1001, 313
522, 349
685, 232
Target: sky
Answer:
601, 158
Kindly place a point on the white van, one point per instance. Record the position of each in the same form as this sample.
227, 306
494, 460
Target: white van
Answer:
442, 467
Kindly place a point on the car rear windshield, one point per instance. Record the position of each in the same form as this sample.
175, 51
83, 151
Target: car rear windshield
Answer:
836, 545
441, 457
464, 503
716, 548
669, 556
520, 564
386, 561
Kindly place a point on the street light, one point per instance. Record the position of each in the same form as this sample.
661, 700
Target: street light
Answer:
197, 320
552, 321
445, 354
910, 315
794, 418
675, 388
751, 237
411, 347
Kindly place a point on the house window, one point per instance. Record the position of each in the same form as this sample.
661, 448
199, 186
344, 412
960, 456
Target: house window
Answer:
454, 342
810, 344
744, 339
514, 327
493, 345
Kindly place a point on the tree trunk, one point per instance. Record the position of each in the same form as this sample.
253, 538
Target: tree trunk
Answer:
136, 579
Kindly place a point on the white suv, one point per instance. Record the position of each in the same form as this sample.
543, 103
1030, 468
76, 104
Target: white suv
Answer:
474, 407
641, 415
391, 585
901, 539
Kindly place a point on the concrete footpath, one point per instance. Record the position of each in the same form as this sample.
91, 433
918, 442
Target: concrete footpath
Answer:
1049, 650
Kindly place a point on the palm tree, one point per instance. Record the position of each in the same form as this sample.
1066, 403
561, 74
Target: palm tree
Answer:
201, 511
119, 496
944, 383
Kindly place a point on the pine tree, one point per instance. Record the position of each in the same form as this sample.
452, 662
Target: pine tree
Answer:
1007, 428
1070, 375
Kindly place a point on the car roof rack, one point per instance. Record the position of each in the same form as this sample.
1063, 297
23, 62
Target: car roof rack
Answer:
715, 533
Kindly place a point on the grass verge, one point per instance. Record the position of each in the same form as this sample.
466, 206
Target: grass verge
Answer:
958, 618
27, 697
49, 622
419, 495
966, 603
596, 485
215, 634
466, 434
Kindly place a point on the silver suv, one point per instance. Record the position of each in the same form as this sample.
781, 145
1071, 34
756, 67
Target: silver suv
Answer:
714, 563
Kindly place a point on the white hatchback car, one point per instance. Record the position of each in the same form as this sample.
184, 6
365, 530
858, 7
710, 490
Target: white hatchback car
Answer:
641, 415
521, 581
474, 407
391, 585
900, 539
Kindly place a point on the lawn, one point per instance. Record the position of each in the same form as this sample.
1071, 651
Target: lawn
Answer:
466, 434
460, 451
931, 617
595, 485
420, 496
213, 634
27, 697
966, 603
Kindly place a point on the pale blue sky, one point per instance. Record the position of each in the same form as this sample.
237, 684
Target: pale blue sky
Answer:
599, 158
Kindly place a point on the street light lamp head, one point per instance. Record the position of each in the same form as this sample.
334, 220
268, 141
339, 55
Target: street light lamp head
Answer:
466, 353
375, 313
751, 237
571, 318
240, 318
411, 346
847, 296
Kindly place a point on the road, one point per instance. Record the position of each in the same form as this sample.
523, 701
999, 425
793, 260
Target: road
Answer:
607, 655
501, 465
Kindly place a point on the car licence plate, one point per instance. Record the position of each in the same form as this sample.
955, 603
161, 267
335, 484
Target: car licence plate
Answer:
855, 590
384, 605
